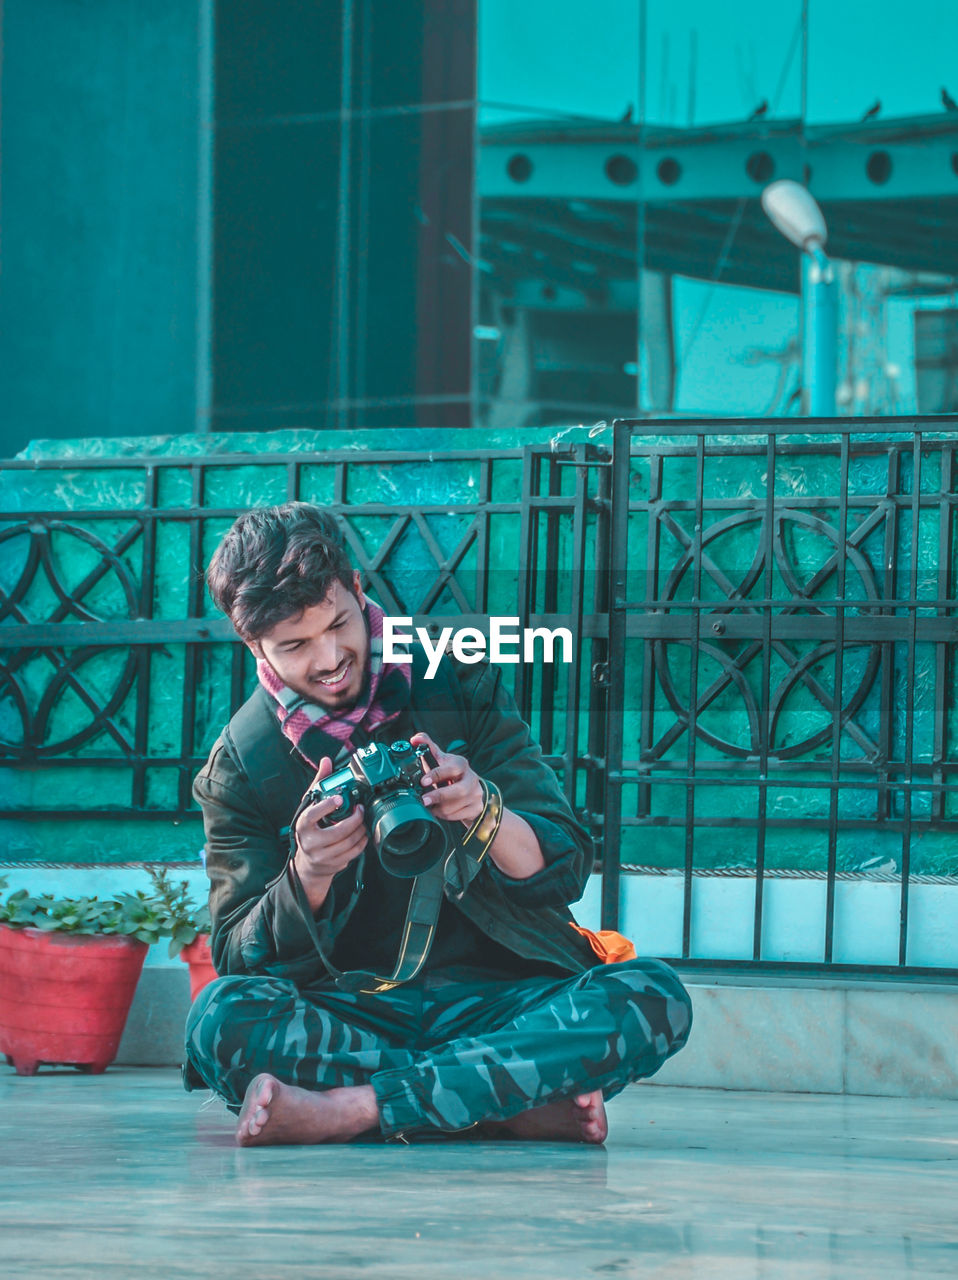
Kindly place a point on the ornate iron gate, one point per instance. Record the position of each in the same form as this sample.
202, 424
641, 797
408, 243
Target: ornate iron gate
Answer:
117, 673
783, 619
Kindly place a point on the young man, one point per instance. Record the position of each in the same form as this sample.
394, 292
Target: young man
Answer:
360, 1000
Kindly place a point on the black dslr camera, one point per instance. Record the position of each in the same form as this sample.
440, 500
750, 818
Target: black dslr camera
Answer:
406, 836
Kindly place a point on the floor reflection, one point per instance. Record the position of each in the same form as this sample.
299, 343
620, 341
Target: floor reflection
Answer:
691, 1183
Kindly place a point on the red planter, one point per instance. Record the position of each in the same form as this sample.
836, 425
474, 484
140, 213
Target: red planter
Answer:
65, 997
200, 959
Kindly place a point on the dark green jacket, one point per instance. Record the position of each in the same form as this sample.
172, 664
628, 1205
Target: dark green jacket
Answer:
258, 926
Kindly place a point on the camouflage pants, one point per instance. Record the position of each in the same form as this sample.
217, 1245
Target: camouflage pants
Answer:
450, 1049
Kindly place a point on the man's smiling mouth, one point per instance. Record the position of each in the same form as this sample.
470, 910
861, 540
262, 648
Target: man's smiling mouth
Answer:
338, 677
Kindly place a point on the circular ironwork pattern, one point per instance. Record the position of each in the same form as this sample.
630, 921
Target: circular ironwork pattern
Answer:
733, 657
27, 716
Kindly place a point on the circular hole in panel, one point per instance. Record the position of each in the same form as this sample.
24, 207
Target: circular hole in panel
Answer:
519, 168
760, 166
669, 171
878, 167
621, 170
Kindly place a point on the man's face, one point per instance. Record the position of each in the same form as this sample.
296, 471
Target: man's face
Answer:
322, 652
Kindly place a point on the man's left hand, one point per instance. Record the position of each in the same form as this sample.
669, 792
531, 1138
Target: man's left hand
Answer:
453, 791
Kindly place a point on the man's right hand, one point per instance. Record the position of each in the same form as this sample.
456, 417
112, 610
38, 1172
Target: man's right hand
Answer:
323, 851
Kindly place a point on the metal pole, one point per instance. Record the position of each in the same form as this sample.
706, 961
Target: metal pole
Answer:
616, 679
820, 334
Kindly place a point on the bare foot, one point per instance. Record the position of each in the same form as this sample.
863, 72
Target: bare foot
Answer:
578, 1119
275, 1113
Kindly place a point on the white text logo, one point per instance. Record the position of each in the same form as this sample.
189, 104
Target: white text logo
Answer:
506, 643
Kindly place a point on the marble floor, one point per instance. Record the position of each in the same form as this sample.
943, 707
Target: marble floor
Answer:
124, 1175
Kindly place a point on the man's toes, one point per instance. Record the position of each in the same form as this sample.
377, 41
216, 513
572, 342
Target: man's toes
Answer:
262, 1094
590, 1115
255, 1111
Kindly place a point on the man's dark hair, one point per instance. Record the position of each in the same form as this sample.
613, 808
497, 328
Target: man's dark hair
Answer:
274, 563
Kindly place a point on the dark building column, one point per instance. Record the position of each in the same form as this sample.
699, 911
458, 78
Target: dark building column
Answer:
343, 213
100, 198
445, 283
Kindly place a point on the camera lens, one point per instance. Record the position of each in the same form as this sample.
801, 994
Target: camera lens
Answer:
407, 837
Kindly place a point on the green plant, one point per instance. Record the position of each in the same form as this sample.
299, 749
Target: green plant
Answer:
136, 915
166, 912
183, 920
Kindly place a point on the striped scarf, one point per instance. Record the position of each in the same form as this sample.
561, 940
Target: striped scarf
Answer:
315, 731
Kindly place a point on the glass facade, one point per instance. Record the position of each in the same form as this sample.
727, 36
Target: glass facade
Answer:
628, 265
346, 214
342, 214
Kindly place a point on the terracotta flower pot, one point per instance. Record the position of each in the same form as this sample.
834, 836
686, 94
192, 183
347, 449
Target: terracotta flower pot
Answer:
64, 997
200, 959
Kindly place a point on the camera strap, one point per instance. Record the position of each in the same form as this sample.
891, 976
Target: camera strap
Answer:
467, 856
425, 901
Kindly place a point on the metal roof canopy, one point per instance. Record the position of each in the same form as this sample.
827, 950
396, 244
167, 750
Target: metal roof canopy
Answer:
561, 200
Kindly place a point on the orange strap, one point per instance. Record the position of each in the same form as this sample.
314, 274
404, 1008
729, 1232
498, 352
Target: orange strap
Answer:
608, 945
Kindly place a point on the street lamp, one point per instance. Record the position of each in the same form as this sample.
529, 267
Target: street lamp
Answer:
794, 212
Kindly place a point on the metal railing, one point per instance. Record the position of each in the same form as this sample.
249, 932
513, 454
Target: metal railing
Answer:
782, 628
103, 610
763, 685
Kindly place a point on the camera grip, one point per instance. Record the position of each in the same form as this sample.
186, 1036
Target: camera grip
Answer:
347, 798
430, 762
